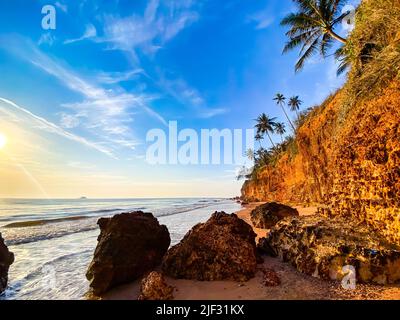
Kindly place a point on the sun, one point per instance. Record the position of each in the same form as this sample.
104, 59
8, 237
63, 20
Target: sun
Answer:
3, 141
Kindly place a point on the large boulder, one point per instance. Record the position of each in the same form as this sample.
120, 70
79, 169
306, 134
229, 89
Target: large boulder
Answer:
322, 247
269, 214
154, 287
129, 245
223, 248
6, 259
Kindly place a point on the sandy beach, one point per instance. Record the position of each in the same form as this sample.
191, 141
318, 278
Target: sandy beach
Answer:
294, 285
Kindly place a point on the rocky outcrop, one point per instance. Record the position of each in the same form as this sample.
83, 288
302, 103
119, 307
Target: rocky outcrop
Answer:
270, 278
223, 248
269, 214
154, 287
322, 247
129, 245
6, 259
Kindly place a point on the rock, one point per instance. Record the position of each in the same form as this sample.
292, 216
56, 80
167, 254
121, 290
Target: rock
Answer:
321, 247
129, 245
6, 259
154, 287
270, 278
267, 215
223, 248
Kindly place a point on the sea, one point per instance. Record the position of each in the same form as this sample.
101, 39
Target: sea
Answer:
53, 240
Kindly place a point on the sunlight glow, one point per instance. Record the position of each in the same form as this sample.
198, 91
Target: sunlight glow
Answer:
3, 141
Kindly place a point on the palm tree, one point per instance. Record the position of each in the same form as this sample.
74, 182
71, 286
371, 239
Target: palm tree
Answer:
343, 55
260, 152
275, 151
250, 154
280, 101
265, 125
280, 98
312, 27
258, 137
263, 158
280, 129
294, 104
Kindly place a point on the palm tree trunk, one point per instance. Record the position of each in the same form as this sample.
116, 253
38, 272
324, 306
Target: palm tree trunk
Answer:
283, 108
336, 36
270, 139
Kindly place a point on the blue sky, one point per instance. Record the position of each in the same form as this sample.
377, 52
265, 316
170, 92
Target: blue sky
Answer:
79, 100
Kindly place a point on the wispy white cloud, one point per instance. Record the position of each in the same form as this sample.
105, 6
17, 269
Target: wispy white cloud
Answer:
180, 90
210, 113
188, 97
61, 6
90, 32
150, 31
160, 22
68, 121
15, 111
106, 113
117, 77
262, 19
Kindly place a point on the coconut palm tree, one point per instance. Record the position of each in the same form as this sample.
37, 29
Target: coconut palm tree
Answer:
312, 27
280, 101
294, 104
250, 154
280, 129
263, 158
258, 137
265, 125
280, 98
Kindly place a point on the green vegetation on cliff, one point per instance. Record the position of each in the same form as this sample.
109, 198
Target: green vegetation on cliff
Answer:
346, 153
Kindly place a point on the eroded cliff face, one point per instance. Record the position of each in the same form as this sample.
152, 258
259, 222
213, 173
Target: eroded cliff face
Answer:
303, 177
348, 149
350, 166
366, 165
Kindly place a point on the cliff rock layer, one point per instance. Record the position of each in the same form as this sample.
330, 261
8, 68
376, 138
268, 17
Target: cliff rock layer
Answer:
347, 151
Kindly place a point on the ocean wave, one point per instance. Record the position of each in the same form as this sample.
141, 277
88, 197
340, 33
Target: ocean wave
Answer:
34, 284
64, 215
40, 237
184, 209
52, 262
34, 223
28, 231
